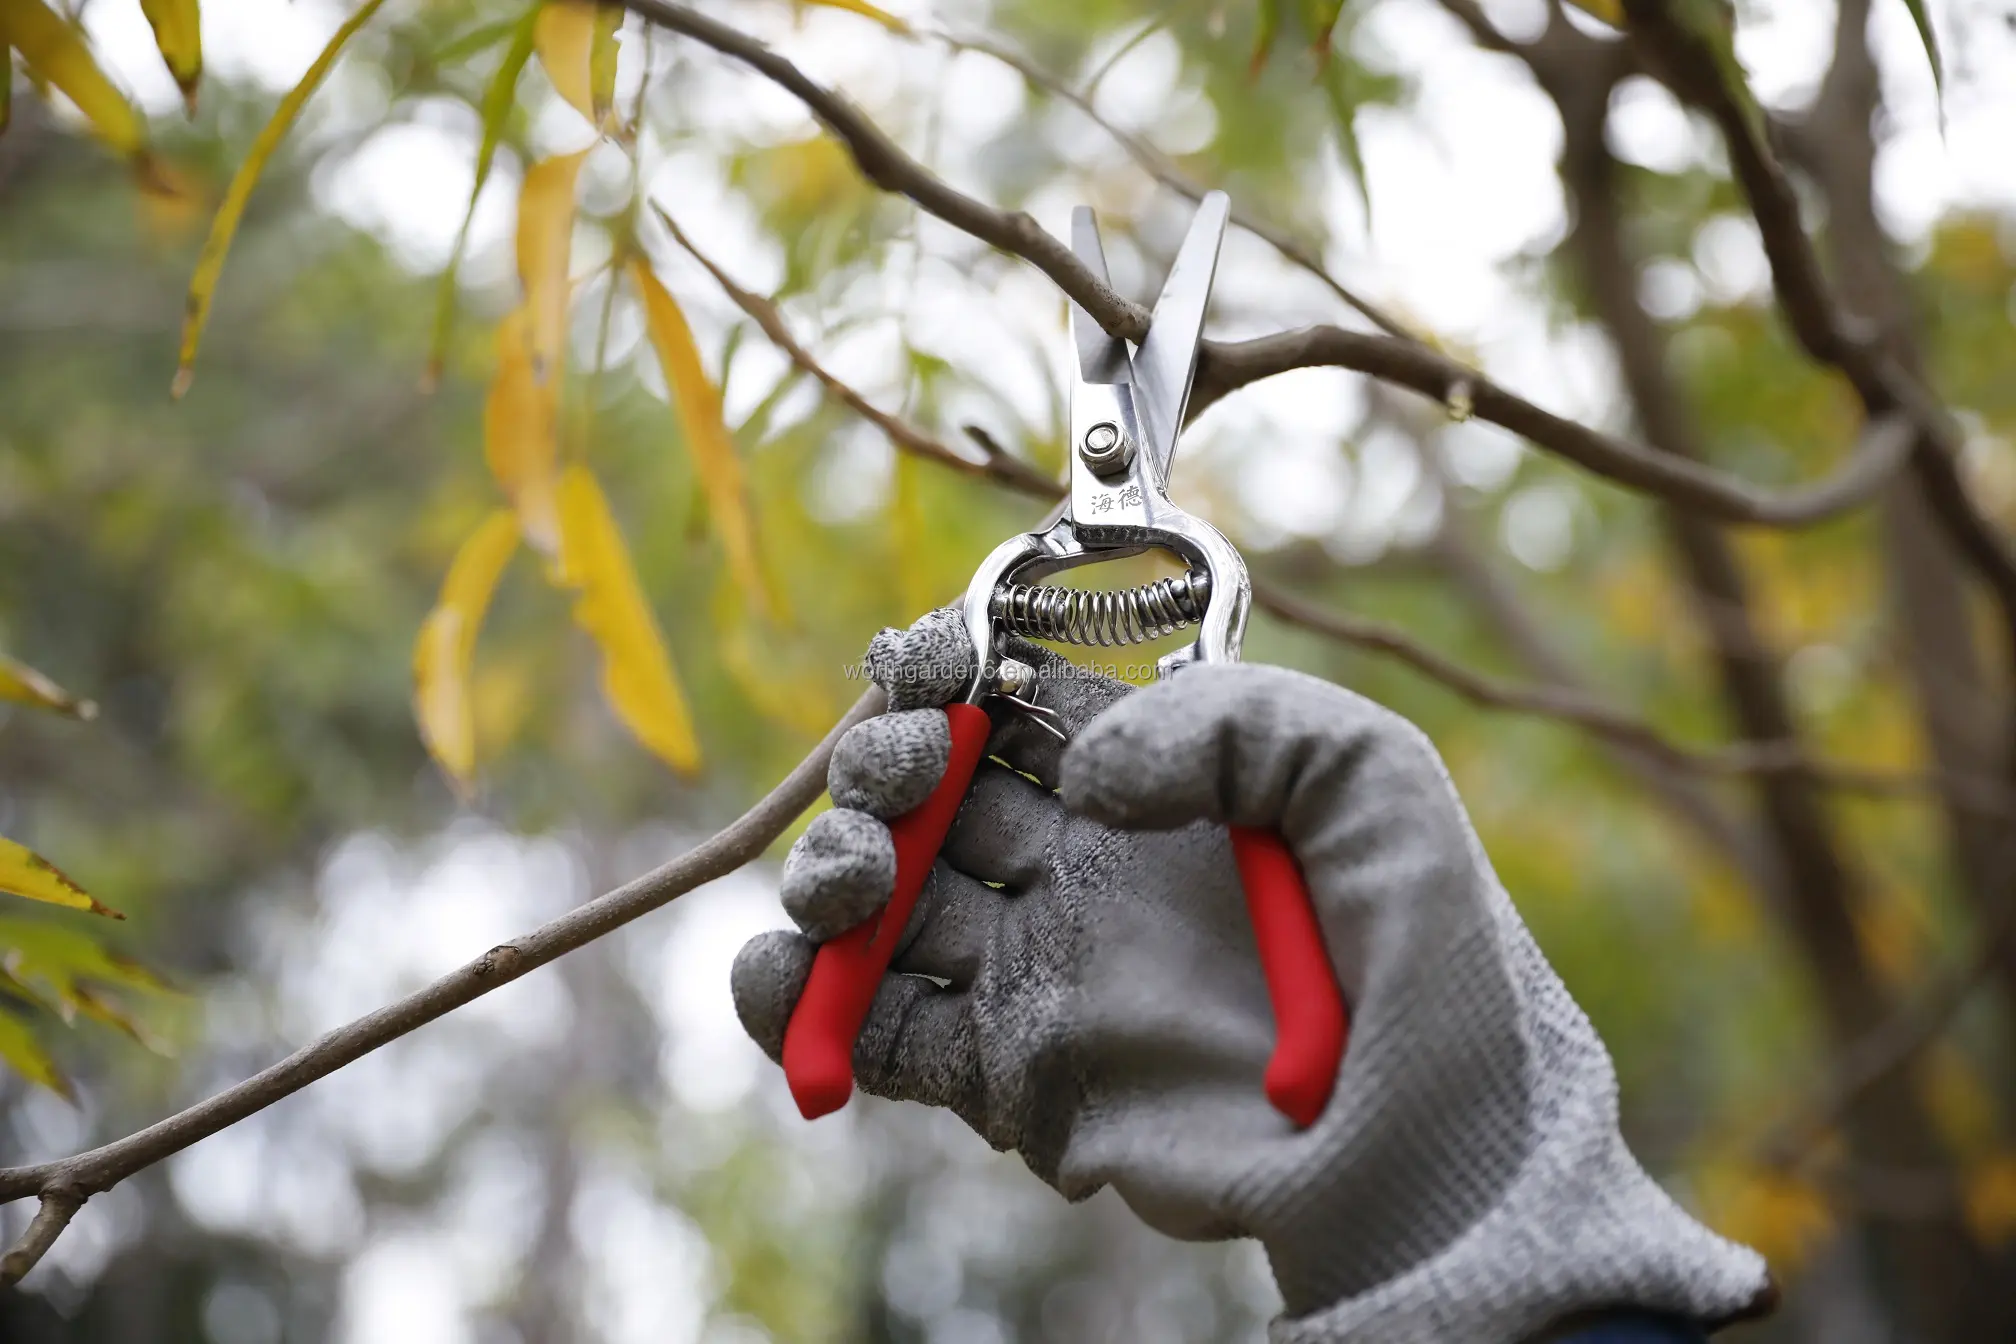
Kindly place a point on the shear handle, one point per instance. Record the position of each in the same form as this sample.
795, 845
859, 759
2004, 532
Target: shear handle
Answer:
819, 1039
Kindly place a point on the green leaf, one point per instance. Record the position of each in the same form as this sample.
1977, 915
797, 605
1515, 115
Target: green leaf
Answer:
1267, 23
25, 1055
1922, 16
1320, 18
210, 264
498, 99
51, 960
1339, 88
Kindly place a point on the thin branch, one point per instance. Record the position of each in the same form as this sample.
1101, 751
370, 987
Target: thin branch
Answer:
58, 1208
1222, 368
1879, 1056
1010, 471
1585, 711
883, 162
1883, 449
1164, 170
1562, 703
1851, 345
72, 1180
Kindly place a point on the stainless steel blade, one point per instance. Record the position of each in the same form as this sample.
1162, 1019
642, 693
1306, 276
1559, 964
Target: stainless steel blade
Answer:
1101, 358
1167, 360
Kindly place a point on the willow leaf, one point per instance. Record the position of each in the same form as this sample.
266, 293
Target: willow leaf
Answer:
638, 678
445, 651
224, 227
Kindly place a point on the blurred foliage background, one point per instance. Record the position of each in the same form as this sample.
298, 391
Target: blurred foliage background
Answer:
245, 580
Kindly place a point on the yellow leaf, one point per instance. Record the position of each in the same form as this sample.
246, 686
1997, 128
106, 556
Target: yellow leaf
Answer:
698, 403
545, 241
1608, 11
637, 675
865, 10
1991, 1199
26, 873
178, 33
55, 51
519, 436
447, 646
577, 47
29, 687
19, 1048
210, 263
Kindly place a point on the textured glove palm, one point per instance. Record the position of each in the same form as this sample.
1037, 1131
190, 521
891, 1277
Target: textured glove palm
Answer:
1102, 1012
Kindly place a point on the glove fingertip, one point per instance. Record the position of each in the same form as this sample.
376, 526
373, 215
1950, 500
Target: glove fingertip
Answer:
768, 977
928, 664
888, 765
1124, 769
838, 874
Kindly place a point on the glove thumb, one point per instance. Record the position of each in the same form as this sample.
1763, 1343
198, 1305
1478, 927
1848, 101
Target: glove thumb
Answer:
1245, 745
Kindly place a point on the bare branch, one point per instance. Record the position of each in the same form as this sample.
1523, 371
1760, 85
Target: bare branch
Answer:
58, 1208
1879, 1056
1160, 167
1823, 329
1223, 368
1001, 466
1884, 448
883, 162
75, 1179
1584, 711
1563, 703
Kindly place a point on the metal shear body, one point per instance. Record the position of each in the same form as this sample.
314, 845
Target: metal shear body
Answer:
1126, 416
1127, 412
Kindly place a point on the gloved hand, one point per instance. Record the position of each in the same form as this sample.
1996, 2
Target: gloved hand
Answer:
1103, 1012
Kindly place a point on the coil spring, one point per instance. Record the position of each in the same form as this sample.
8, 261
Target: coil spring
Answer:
1082, 616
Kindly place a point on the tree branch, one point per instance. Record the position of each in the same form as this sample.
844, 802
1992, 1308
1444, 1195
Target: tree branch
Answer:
58, 1208
1563, 703
1823, 329
72, 1180
1011, 471
1880, 1055
1164, 170
1223, 368
1885, 446
883, 162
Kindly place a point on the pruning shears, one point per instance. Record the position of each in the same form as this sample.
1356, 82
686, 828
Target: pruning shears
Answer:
1127, 411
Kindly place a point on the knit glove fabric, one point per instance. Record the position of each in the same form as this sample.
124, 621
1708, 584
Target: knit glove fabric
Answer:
1080, 985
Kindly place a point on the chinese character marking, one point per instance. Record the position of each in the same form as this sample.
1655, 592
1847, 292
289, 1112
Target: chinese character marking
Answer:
1130, 498
1102, 503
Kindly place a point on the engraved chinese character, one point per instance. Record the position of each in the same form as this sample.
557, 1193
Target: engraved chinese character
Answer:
1130, 498
1102, 504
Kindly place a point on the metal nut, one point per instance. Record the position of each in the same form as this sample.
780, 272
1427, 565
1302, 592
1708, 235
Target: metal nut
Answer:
1105, 449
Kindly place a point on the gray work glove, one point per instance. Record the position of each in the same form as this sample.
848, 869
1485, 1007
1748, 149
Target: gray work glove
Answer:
1104, 1014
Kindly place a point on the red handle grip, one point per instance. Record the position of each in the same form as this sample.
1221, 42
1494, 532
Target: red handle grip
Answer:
1310, 1020
819, 1040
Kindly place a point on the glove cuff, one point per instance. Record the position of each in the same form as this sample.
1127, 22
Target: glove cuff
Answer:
1582, 1228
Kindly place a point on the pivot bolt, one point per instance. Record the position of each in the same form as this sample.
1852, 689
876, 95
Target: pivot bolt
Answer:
1105, 449
1014, 676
